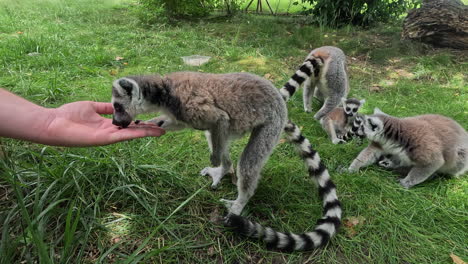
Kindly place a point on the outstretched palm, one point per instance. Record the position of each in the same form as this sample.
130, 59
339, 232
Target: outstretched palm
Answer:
81, 124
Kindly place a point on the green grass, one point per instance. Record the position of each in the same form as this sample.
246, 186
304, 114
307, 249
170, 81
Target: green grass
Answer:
145, 201
278, 6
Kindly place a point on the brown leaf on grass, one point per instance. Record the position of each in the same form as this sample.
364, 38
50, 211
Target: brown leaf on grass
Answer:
214, 216
281, 141
351, 222
268, 77
118, 58
456, 259
211, 251
19, 32
404, 73
113, 72
115, 240
375, 88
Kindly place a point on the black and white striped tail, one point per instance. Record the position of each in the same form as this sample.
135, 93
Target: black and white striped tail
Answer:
311, 65
356, 129
326, 226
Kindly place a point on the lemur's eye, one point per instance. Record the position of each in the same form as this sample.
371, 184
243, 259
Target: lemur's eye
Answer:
373, 126
355, 110
347, 109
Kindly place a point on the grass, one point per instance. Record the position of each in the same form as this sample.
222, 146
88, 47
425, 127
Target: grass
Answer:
145, 201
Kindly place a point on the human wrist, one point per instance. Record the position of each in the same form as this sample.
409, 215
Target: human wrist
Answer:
43, 124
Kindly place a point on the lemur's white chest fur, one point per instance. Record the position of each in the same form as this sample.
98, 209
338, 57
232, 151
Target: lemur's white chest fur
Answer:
393, 148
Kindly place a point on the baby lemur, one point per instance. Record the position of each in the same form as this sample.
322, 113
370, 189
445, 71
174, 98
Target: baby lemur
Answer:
340, 120
425, 144
227, 106
325, 77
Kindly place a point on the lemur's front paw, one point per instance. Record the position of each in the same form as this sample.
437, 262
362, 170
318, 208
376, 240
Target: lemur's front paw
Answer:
384, 164
215, 173
161, 121
406, 183
338, 141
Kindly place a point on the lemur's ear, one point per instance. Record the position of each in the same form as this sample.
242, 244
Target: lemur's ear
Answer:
126, 85
343, 101
378, 111
362, 101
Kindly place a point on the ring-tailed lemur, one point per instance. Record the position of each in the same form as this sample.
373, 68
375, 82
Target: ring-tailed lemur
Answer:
324, 73
356, 129
229, 105
340, 120
427, 144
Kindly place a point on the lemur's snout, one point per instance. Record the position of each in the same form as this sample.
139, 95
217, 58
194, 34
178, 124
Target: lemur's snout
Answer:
122, 123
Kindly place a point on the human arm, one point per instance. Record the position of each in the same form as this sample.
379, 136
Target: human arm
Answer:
77, 124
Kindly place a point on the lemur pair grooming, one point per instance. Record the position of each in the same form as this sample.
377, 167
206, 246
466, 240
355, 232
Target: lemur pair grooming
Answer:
227, 106
418, 146
325, 77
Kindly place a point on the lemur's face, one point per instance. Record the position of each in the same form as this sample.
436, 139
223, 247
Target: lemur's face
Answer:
351, 106
373, 126
351, 109
125, 94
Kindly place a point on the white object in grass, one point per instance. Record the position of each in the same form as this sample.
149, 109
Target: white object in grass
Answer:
195, 60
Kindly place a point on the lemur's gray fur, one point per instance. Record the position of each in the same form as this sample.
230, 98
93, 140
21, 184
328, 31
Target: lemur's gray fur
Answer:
340, 120
325, 75
426, 144
227, 106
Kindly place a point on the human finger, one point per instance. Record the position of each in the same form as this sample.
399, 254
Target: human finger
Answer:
103, 108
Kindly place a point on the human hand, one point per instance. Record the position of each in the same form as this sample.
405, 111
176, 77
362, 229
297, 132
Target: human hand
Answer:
80, 124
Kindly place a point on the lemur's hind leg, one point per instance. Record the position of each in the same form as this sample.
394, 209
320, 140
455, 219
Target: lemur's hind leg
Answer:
330, 128
308, 92
419, 174
218, 142
262, 141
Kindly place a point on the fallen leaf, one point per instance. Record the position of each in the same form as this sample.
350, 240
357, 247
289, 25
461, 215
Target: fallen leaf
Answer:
125, 63
404, 73
211, 251
353, 221
19, 32
375, 88
456, 259
281, 141
116, 240
113, 72
214, 216
118, 58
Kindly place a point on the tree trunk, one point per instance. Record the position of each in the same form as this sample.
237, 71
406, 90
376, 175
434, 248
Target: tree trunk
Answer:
442, 23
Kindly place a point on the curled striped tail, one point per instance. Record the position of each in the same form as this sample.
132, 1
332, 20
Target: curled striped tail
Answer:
326, 226
310, 65
356, 130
